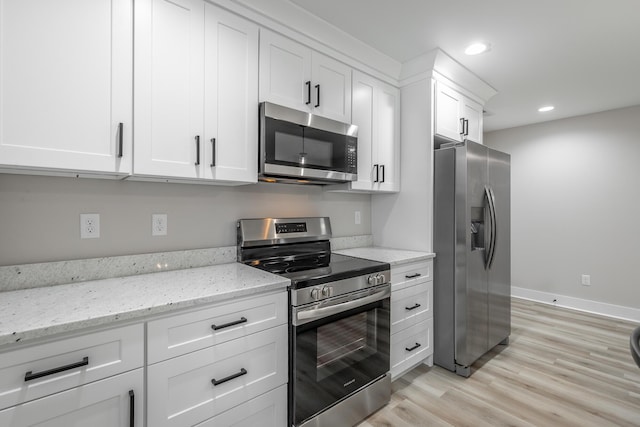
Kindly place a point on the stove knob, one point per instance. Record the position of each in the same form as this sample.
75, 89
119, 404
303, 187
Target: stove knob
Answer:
327, 291
372, 280
315, 293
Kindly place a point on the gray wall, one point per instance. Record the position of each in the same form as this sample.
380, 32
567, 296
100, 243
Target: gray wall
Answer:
40, 216
576, 205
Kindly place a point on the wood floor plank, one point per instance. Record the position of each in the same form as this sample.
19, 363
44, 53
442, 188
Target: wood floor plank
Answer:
561, 368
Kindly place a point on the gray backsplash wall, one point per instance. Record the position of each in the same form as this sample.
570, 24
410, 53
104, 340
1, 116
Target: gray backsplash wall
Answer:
40, 216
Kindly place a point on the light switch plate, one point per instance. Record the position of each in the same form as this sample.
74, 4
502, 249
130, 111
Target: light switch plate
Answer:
159, 224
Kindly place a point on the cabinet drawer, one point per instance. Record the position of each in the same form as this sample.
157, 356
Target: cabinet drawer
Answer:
411, 346
176, 335
267, 410
409, 274
60, 365
411, 305
102, 403
181, 390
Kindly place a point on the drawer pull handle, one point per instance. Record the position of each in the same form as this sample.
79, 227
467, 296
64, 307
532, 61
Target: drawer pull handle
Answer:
412, 307
31, 376
229, 378
227, 325
132, 404
412, 276
412, 348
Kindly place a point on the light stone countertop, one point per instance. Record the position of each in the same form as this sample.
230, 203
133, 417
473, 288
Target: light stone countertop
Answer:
33, 313
391, 256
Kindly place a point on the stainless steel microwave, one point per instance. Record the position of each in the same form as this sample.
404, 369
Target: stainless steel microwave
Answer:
299, 147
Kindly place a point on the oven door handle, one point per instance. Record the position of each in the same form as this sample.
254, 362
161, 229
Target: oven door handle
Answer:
309, 315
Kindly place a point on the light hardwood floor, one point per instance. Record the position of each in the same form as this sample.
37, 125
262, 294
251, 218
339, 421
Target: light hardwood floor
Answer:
561, 368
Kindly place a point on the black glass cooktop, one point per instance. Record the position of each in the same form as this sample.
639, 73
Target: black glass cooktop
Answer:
320, 268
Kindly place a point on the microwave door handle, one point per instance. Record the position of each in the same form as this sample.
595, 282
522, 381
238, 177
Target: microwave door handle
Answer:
309, 315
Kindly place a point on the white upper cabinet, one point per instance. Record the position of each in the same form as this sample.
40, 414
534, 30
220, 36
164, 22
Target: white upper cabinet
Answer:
295, 76
195, 93
456, 116
376, 112
169, 87
66, 86
231, 97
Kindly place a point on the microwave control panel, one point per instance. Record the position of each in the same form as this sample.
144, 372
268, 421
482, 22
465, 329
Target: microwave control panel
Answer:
352, 157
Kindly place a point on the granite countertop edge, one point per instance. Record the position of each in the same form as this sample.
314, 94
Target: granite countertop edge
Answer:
30, 314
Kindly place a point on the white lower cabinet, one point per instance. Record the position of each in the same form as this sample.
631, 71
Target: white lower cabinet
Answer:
411, 346
117, 401
95, 379
411, 316
266, 410
188, 389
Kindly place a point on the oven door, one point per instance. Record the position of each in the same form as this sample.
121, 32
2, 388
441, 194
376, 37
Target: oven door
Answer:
338, 346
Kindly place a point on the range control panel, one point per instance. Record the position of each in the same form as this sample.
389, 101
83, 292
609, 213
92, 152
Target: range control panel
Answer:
291, 227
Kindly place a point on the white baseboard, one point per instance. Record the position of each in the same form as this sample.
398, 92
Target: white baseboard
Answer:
610, 310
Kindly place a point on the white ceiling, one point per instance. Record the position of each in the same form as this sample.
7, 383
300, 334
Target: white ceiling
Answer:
582, 56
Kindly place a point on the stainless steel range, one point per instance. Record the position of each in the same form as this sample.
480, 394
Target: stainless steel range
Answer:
339, 319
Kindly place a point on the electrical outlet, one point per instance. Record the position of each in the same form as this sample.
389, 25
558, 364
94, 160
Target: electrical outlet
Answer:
159, 224
89, 226
586, 280
358, 219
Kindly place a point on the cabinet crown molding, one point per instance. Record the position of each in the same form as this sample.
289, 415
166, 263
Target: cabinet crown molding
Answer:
439, 65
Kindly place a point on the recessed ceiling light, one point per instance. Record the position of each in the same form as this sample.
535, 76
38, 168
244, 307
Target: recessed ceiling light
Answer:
546, 108
476, 48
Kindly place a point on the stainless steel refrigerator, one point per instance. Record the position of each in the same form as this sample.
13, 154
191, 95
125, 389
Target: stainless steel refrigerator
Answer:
472, 268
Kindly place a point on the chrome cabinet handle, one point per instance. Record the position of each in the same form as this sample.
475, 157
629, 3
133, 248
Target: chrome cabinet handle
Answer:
229, 378
412, 307
382, 169
31, 376
412, 276
317, 96
377, 173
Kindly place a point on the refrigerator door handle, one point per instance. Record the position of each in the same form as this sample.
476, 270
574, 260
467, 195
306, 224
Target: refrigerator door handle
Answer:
494, 227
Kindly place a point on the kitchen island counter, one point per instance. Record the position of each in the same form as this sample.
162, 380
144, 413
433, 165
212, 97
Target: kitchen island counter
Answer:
389, 255
40, 312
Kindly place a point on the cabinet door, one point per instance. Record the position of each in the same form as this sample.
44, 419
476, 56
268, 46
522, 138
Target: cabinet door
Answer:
285, 71
387, 137
448, 112
231, 97
169, 86
331, 91
472, 112
66, 85
266, 410
182, 391
107, 403
363, 117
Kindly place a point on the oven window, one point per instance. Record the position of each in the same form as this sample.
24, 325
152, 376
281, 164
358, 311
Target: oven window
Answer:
353, 339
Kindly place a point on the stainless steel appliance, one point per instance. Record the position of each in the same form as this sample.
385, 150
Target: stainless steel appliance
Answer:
339, 319
472, 272
299, 147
